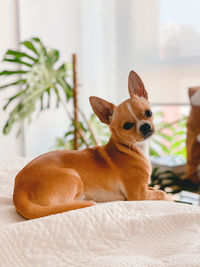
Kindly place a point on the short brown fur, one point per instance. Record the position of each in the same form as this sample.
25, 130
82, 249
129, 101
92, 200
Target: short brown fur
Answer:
60, 181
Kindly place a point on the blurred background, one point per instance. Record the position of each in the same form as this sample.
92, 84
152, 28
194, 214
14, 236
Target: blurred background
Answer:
158, 39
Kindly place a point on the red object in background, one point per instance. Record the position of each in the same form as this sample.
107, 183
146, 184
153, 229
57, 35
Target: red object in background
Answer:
193, 137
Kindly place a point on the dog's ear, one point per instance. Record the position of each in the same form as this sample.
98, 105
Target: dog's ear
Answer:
136, 86
102, 108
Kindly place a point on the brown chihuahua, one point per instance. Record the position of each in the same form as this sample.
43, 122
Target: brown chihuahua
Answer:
60, 181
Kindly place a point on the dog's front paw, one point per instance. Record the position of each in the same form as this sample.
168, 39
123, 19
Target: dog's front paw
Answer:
164, 196
94, 203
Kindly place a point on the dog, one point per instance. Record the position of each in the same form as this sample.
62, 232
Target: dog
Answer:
61, 181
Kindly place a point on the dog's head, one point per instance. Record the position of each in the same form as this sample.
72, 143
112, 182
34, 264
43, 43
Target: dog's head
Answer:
132, 120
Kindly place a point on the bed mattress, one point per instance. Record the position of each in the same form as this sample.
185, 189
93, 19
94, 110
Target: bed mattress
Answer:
121, 233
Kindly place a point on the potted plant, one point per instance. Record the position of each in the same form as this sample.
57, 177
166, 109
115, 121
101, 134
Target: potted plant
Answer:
39, 77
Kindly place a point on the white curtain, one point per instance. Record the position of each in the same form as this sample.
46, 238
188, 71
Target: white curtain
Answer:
10, 145
157, 38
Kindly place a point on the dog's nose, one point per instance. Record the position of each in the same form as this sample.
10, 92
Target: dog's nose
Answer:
145, 129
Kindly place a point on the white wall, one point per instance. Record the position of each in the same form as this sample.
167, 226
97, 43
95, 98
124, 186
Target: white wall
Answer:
10, 145
97, 50
57, 23
71, 26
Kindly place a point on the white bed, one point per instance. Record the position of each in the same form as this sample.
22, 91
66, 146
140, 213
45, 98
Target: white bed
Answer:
125, 233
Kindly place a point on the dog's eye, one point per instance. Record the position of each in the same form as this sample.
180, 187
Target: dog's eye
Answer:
148, 113
128, 125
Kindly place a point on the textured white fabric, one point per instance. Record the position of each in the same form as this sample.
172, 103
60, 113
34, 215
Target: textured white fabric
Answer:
8, 170
111, 234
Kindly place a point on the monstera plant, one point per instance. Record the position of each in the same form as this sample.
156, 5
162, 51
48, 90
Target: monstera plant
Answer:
37, 75
38, 78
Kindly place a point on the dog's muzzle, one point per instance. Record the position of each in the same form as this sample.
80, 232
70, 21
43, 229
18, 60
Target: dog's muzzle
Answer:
146, 130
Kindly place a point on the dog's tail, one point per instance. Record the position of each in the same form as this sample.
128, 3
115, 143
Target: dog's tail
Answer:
31, 210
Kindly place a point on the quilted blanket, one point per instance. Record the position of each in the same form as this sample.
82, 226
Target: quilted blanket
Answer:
145, 233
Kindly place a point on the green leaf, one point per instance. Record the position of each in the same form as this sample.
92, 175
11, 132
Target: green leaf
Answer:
165, 125
164, 148
49, 97
165, 136
153, 152
177, 144
20, 112
180, 133
42, 48
69, 133
182, 152
57, 94
13, 97
52, 57
19, 54
22, 81
41, 102
67, 88
18, 61
64, 68
83, 127
36, 39
30, 46
11, 72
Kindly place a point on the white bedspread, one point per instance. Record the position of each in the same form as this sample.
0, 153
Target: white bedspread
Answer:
112, 234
